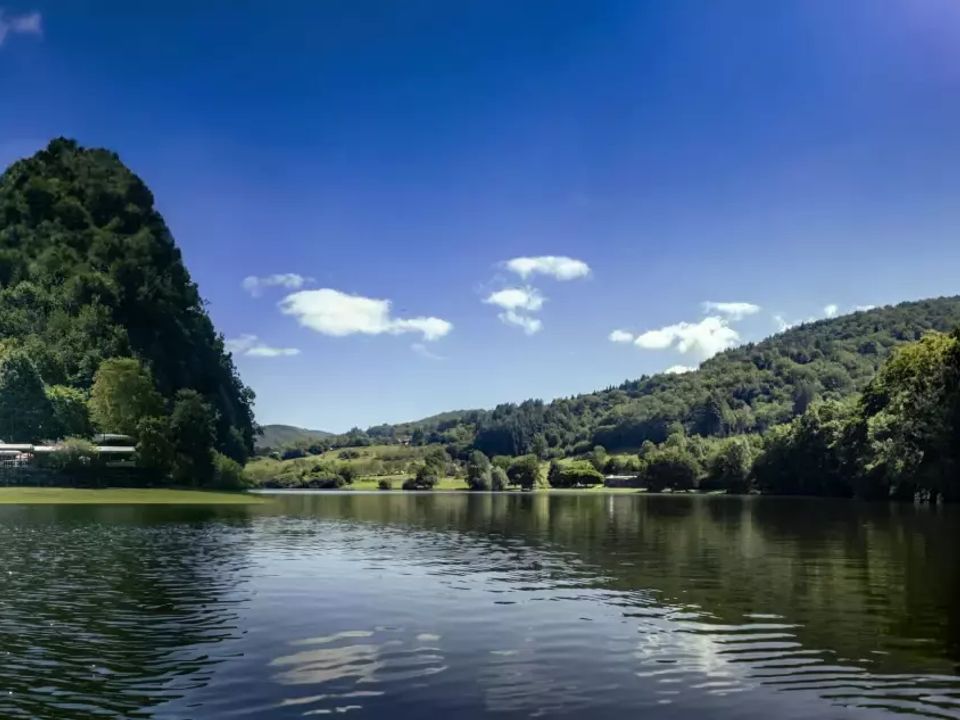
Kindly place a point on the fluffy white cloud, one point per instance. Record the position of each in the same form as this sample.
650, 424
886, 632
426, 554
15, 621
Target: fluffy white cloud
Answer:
527, 298
335, 313
29, 24
556, 266
530, 325
733, 310
517, 305
705, 338
620, 336
831, 310
863, 308
291, 281
679, 369
250, 346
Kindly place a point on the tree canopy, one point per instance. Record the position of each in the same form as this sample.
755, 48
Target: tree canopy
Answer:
89, 271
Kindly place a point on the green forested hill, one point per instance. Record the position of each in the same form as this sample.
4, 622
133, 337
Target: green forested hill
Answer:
279, 436
745, 390
90, 271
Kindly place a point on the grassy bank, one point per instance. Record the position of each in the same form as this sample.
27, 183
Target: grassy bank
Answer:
120, 496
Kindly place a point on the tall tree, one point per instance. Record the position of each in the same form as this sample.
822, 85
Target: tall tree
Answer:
123, 394
25, 412
193, 432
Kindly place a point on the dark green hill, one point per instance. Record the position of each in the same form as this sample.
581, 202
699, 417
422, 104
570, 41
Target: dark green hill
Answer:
747, 389
281, 436
89, 270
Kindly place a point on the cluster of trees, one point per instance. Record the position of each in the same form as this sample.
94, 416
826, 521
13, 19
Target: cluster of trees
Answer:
746, 390
89, 273
176, 438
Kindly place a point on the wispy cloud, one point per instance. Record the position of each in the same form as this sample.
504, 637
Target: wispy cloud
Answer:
331, 312
250, 346
863, 308
555, 266
679, 369
518, 304
425, 352
732, 310
530, 325
620, 336
291, 281
28, 24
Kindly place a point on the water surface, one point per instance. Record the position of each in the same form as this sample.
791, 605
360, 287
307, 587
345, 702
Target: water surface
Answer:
474, 606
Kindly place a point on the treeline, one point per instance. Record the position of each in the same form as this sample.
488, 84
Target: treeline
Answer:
747, 390
176, 439
899, 439
89, 273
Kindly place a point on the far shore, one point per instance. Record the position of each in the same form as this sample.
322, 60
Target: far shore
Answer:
22, 495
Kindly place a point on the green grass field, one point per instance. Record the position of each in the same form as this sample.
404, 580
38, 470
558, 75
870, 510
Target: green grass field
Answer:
120, 496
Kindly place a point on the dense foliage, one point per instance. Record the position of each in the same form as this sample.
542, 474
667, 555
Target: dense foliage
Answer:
749, 389
89, 272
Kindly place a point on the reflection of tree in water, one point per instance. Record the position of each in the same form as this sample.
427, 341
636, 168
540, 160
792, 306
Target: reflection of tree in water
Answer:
113, 609
832, 596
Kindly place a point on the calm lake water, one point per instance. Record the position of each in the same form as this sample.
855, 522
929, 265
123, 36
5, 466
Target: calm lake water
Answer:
469, 606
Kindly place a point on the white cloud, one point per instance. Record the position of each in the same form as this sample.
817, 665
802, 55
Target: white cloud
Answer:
783, 324
530, 325
527, 298
705, 338
29, 24
679, 369
423, 351
250, 346
335, 313
291, 281
517, 305
556, 266
620, 336
733, 310
863, 308
831, 310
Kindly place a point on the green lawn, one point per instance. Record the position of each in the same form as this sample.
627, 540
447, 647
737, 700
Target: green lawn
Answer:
120, 496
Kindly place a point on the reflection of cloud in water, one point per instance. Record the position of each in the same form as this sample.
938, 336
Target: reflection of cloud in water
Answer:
355, 658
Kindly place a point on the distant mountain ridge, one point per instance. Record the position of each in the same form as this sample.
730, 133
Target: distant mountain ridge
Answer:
747, 389
278, 436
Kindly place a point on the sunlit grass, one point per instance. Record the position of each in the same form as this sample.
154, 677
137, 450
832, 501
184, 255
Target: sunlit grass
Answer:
120, 496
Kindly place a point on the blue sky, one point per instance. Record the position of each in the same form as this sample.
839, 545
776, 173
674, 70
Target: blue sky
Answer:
774, 159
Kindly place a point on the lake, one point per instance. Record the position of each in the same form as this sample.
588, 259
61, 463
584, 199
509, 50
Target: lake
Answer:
452, 605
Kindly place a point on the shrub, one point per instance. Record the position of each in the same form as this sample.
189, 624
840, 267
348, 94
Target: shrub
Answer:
73, 455
384, 485
227, 473
478, 472
498, 479
574, 474
525, 472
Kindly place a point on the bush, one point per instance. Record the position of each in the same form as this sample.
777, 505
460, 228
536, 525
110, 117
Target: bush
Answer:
293, 453
478, 472
349, 454
227, 473
384, 485
348, 473
498, 479
525, 472
574, 474
424, 482
73, 455
670, 467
